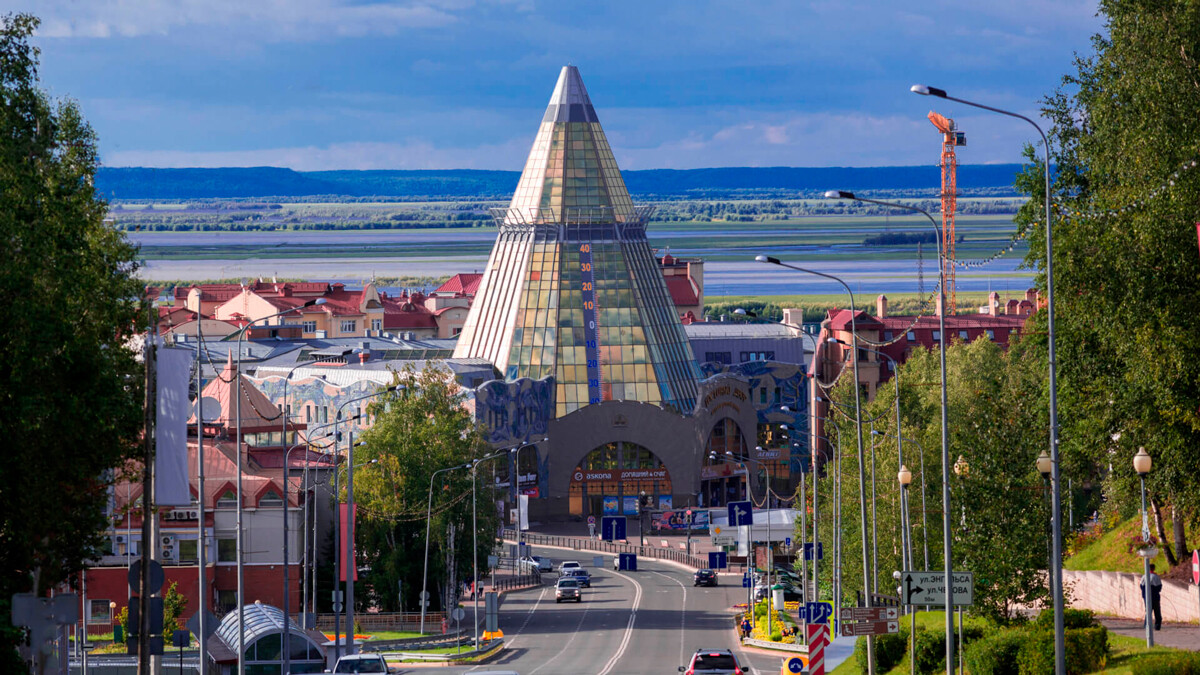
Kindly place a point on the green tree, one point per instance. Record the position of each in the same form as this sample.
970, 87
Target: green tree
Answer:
1125, 142
70, 406
174, 605
418, 430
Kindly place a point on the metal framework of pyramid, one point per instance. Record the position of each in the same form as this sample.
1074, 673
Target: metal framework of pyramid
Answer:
571, 288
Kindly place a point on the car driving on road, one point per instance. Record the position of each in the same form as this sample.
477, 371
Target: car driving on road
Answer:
570, 564
581, 575
713, 662
361, 663
704, 578
568, 588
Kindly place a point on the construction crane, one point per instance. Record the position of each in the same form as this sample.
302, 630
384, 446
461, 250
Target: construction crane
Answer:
951, 138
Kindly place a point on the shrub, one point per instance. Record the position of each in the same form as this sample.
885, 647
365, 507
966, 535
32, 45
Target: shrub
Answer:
996, 654
889, 651
1086, 651
1072, 618
931, 651
1179, 663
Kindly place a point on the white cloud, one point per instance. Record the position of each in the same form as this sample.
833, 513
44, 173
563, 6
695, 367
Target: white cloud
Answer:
269, 20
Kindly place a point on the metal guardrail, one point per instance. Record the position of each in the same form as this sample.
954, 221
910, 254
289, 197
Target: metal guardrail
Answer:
585, 544
534, 578
418, 656
369, 621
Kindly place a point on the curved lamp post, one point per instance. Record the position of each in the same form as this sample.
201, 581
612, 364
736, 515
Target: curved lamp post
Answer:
862, 487
428, 517
1060, 663
924, 520
241, 548
1142, 464
946, 550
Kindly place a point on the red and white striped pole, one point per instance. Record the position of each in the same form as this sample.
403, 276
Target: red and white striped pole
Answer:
816, 648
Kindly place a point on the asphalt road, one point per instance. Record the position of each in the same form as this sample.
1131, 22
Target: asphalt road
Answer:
629, 623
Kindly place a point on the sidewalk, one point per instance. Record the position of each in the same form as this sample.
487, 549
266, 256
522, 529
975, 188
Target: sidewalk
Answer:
1177, 635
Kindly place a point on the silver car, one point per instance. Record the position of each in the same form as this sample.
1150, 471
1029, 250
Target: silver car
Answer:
568, 588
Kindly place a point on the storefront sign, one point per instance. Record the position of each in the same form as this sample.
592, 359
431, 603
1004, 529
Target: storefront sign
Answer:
723, 470
595, 475
723, 390
768, 454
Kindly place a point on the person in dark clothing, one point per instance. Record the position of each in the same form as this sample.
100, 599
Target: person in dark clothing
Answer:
746, 627
1155, 596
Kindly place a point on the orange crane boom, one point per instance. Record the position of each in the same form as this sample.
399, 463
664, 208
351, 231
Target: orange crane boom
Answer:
951, 138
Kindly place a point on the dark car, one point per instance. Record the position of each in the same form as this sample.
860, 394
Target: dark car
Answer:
713, 662
579, 574
704, 578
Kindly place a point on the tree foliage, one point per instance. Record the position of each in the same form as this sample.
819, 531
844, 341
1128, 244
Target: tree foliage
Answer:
1127, 276
420, 429
997, 423
71, 400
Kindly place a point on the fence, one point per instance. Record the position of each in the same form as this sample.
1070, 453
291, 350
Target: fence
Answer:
534, 578
391, 621
585, 544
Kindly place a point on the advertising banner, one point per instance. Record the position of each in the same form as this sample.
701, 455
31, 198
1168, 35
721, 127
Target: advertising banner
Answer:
629, 505
610, 506
170, 444
677, 519
664, 502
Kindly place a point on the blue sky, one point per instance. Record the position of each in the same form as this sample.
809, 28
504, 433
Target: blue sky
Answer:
361, 84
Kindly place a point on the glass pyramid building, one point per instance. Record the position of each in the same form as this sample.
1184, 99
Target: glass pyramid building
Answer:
571, 288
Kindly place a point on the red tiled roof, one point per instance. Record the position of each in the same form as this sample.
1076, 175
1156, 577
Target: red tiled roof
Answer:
682, 291
258, 412
466, 283
407, 312
210, 292
840, 320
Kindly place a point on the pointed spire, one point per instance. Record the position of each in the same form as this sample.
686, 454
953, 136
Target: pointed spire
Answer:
571, 174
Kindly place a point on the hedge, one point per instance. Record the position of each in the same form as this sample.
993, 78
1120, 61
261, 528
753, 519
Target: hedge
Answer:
1086, 651
995, 654
890, 650
1181, 663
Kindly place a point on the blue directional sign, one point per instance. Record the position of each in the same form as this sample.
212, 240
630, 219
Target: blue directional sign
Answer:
612, 528
746, 582
795, 665
718, 560
819, 612
808, 551
740, 513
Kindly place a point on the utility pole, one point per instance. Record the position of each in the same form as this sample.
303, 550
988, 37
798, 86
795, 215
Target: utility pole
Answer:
149, 357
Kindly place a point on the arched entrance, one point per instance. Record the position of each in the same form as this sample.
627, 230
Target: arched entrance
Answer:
722, 479
612, 477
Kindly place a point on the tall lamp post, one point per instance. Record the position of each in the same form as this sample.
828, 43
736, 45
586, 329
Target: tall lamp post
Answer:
862, 486
239, 441
946, 549
962, 470
428, 518
924, 520
351, 569
1141, 464
287, 475
517, 485
1060, 662
905, 478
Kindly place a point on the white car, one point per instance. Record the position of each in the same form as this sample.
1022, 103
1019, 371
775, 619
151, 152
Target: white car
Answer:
537, 562
361, 663
570, 564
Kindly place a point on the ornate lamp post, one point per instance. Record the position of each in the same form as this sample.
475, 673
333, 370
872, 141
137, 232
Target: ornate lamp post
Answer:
905, 478
1141, 464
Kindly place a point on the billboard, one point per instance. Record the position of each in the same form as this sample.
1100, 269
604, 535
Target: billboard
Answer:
676, 519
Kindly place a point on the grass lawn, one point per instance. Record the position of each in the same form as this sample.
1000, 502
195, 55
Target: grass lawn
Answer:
1111, 551
393, 635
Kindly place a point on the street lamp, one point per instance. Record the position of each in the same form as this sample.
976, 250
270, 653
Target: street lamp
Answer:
862, 486
351, 568
428, 516
287, 475
924, 509
1141, 464
239, 441
517, 485
905, 478
942, 338
641, 509
1060, 662
962, 470
1044, 467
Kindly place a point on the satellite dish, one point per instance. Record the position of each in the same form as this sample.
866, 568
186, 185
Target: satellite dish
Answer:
211, 407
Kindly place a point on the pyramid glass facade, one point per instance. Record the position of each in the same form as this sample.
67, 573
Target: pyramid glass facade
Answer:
571, 288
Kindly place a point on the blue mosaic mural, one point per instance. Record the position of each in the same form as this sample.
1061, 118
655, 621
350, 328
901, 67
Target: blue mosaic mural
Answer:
515, 412
791, 380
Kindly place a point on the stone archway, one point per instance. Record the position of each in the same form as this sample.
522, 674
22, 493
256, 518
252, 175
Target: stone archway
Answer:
672, 439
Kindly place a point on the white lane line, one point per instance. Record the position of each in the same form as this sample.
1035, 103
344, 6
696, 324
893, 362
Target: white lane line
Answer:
574, 634
637, 600
682, 615
512, 642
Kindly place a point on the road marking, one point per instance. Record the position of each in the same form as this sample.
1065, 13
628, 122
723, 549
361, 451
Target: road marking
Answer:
574, 634
528, 616
637, 600
682, 616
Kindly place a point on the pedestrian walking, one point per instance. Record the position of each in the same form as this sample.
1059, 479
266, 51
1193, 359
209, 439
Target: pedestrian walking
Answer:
1155, 596
746, 627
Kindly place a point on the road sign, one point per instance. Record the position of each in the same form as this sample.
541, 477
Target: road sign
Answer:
817, 639
795, 665
493, 561
870, 613
817, 612
722, 537
740, 513
929, 588
156, 577
591, 520
459, 613
612, 528
591, 529
870, 628
746, 582
808, 549
597, 561
1196, 566
718, 560
424, 595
